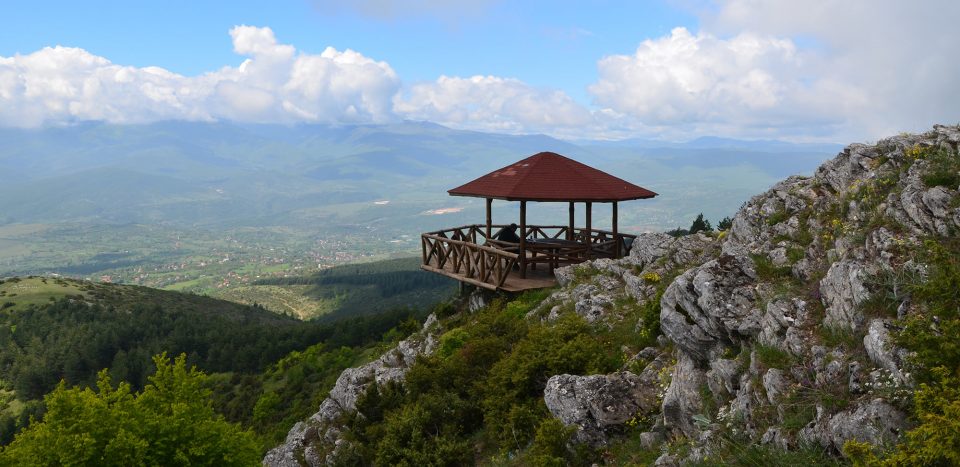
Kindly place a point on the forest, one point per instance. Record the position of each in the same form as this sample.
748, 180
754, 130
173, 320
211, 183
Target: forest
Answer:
70, 340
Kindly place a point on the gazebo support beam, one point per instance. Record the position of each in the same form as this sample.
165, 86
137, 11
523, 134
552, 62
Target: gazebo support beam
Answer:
523, 239
489, 216
616, 237
570, 232
589, 227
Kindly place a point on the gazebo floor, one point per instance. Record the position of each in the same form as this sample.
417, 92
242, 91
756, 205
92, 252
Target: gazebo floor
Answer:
540, 278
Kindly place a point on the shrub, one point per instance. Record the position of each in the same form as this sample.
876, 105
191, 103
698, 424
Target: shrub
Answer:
172, 422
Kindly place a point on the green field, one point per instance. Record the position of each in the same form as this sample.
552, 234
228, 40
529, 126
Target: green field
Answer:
18, 294
290, 300
347, 290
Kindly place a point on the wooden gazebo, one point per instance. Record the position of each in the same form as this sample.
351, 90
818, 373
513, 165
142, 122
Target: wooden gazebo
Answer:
477, 255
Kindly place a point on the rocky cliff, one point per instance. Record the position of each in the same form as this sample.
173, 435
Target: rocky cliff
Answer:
778, 332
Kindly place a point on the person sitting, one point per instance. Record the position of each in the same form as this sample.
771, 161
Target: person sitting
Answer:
508, 234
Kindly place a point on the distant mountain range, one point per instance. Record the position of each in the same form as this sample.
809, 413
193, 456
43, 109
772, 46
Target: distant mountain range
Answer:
226, 175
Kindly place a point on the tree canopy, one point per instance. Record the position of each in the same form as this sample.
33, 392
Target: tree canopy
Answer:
171, 422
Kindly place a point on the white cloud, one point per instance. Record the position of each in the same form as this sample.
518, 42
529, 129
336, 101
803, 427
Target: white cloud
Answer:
839, 70
901, 56
703, 83
491, 103
274, 84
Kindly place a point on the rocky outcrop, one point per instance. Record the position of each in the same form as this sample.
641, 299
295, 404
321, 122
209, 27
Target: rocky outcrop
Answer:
598, 404
883, 352
823, 232
711, 306
843, 290
320, 429
684, 399
876, 422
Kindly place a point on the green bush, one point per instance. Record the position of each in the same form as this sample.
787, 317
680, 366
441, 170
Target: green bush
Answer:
931, 336
171, 422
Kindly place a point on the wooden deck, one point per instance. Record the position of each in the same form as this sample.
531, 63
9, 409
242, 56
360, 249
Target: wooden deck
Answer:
465, 254
540, 278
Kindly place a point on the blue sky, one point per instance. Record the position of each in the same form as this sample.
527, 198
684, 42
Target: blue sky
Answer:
553, 44
604, 69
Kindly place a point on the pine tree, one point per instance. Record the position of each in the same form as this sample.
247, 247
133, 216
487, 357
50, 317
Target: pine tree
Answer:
700, 225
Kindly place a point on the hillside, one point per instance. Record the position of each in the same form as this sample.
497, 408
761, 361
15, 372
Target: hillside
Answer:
57, 329
820, 329
349, 290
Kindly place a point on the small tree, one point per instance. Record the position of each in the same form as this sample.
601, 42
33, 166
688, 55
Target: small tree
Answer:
725, 223
172, 422
700, 225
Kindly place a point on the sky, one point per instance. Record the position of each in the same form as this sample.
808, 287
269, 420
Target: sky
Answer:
818, 70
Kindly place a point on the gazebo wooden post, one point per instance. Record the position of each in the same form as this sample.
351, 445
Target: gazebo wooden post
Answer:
589, 228
616, 237
570, 233
489, 216
523, 239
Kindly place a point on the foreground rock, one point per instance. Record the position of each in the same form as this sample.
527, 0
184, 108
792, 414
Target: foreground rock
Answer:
601, 404
748, 317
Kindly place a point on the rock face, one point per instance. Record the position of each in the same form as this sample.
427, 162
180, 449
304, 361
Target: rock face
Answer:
716, 308
321, 428
598, 404
710, 306
876, 422
746, 315
843, 290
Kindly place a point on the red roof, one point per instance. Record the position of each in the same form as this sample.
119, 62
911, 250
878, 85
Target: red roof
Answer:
551, 177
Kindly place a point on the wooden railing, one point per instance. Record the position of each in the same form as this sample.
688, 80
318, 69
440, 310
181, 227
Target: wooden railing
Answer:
466, 254
460, 257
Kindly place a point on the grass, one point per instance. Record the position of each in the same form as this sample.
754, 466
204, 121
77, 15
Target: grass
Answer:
795, 254
944, 169
24, 292
778, 217
766, 270
628, 451
772, 357
840, 337
747, 453
293, 300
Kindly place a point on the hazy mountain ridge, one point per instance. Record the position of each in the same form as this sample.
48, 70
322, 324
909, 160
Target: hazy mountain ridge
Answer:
279, 168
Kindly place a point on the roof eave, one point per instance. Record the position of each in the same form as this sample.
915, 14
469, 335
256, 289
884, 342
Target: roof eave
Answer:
553, 200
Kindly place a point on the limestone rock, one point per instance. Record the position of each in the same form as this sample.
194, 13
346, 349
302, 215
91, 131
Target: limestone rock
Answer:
876, 422
711, 305
649, 247
682, 400
599, 403
842, 290
723, 377
591, 302
564, 275
881, 350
